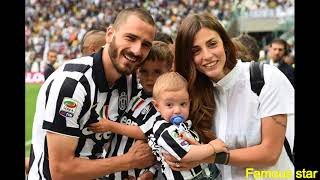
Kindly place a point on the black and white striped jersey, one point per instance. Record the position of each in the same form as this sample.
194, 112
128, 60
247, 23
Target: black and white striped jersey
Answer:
74, 96
138, 107
165, 137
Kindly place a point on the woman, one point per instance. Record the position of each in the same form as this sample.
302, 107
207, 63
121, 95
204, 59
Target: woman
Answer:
252, 126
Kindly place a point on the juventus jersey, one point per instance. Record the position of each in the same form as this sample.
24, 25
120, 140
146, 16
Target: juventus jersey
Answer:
138, 107
165, 138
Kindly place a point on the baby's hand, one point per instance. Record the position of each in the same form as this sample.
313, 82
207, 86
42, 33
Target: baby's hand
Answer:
146, 176
219, 146
101, 126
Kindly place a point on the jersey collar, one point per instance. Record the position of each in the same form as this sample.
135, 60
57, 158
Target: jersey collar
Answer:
98, 71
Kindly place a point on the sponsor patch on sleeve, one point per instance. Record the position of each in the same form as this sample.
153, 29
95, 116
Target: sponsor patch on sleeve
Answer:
68, 107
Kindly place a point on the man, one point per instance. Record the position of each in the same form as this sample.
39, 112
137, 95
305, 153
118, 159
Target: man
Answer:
49, 67
92, 41
276, 52
251, 45
289, 59
79, 93
163, 37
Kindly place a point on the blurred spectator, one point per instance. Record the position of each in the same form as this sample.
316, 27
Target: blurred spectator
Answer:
251, 45
36, 62
278, 49
50, 65
242, 52
29, 59
166, 38
163, 37
289, 59
160, 36
92, 41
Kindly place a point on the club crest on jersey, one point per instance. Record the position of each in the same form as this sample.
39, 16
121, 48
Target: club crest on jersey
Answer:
68, 107
145, 110
178, 138
123, 101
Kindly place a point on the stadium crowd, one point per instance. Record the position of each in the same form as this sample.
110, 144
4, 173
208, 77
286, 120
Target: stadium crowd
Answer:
60, 25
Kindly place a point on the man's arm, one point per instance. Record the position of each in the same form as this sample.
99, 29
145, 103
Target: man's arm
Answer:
105, 125
65, 166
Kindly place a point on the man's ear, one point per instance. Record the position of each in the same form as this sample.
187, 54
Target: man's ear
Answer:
155, 104
109, 34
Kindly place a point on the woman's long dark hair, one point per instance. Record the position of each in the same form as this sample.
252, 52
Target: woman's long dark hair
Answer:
203, 107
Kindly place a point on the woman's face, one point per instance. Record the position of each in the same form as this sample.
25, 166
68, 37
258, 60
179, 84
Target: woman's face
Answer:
209, 54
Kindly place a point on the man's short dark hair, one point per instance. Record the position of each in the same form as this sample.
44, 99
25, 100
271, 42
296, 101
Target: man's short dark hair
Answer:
91, 31
160, 36
251, 44
139, 12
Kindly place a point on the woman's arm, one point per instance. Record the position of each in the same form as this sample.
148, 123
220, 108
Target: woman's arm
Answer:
185, 165
262, 155
202, 151
199, 152
267, 153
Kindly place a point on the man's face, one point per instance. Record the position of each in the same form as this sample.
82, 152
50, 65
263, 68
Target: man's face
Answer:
276, 51
130, 44
52, 57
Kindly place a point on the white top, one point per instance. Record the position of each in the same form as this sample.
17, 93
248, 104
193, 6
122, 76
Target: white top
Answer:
239, 112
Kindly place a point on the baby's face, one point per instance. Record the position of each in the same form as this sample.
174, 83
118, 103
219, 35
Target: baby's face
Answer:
172, 103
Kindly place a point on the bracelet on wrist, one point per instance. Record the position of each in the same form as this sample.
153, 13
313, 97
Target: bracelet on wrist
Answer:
214, 149
228, 158
222, 158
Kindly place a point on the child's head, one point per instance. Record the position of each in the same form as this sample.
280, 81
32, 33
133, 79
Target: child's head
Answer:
170, 95
158, 61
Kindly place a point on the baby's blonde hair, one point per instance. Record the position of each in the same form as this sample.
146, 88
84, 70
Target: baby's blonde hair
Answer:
170, 81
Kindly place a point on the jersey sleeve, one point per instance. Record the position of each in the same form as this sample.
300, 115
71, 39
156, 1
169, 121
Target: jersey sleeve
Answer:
148, 120
65, 99
277, 95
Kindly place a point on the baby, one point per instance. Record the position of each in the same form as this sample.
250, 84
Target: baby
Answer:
171, 99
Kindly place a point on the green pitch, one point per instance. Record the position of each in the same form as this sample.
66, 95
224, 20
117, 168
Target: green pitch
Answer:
31, 93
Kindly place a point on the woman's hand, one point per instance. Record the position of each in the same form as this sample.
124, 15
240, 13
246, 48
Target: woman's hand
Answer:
179, 165
191, 141
219, 146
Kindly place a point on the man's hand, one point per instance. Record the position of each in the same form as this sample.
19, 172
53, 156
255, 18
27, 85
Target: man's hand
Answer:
141, 155
100, 127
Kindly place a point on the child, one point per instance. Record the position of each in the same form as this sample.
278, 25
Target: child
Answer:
159, 61
171, 98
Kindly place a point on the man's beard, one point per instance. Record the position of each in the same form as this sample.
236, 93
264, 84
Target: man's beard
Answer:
114, 56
